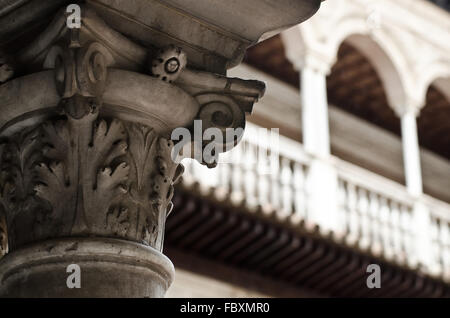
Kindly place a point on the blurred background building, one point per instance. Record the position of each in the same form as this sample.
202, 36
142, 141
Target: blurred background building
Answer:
359, 175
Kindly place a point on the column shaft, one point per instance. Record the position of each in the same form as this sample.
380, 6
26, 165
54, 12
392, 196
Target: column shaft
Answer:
411, 153
322, 177
315, 112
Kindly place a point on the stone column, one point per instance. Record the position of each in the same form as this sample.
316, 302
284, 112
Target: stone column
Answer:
83, 181
322, 182
314, 63
88, 107
413, 176
411, 152
316, 132
87, 172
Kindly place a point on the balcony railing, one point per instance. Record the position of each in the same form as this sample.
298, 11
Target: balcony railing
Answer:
374, 214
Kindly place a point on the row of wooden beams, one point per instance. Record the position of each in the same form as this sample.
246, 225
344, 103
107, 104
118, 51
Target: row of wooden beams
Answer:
233, 236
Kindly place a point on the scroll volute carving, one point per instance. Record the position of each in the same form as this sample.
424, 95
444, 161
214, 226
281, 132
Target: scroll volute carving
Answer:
18, 158
79, 71
224, 103
83, 176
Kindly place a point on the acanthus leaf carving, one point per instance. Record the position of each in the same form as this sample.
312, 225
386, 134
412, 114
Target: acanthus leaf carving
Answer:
118, 221
80, 172
223, 103
87, 176
105, 182
18, 177
57, 179
151, 183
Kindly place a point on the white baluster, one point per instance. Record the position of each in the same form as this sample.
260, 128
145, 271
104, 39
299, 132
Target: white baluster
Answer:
263, 177
385, 229
342, 206
435, 265
211, 177
354, 229
445, 238
396, 232
275, 183
442, 246
286, 186
300, 212
236, 176
198, 171
363, 211
374, 216
225, 176
407, 234
250, 175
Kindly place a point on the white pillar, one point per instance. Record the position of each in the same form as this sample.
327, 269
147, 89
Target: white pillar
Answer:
315, 112
413, 175
423, 252
411, 153
322, 184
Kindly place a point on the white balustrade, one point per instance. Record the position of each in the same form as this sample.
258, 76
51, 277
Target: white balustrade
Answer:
374, 213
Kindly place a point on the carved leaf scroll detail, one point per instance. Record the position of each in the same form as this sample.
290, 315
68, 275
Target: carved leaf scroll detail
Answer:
84, 177
87, 176
18, 159
151, 182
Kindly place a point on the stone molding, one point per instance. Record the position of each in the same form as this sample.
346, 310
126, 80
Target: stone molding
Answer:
94, 41
110, 268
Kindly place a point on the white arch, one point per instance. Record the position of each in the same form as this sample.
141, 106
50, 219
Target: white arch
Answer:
429, 74
381, 51
388, 64
407, 62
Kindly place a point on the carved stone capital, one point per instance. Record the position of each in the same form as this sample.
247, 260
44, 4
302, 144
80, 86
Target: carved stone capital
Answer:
87, 176
85, 149
130, 81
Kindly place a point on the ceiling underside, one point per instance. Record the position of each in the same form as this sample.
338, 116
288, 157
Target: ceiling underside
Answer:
301, 257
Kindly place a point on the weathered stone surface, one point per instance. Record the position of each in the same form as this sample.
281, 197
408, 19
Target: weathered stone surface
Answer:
109, 268
86, 159
75, 177
86, 115
213, 33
